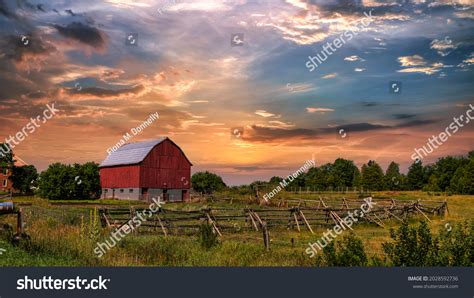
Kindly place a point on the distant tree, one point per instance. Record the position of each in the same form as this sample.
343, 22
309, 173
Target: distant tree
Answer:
392, 176
66, 182
372, 176
24, 178
415, 176
445, 168
343, 172
275, 180
6, 156
207, 182
356, 179
463, 179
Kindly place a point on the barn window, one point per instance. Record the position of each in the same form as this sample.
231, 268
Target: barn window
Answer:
106, 190
121, 190
130, 190
5, 183
5, 171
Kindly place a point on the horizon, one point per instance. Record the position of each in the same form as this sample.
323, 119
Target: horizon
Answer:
231, 84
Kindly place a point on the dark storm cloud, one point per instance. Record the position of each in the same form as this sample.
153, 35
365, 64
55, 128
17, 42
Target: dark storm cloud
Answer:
403, 116
102, 92
69, 11
16, 47
269, 134
369, 104
82, 33
5, 11
416, 123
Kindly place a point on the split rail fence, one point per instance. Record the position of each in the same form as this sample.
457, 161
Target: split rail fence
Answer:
307, 214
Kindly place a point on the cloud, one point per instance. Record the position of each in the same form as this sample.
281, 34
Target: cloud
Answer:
403, 116
429, 69
82, 33
353, 58
330, 75
106, 93
415, 60
467, 62
265, 114
300, 87
416, 63
318, 110
357, 69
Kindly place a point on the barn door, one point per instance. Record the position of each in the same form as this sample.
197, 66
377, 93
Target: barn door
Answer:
145, 194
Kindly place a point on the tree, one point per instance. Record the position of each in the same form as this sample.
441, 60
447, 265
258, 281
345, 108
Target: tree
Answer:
24, 178
444, 170
393, 177
66, 182
463, 179
372, 176
343, 172
207, 182
415, 176
6, 157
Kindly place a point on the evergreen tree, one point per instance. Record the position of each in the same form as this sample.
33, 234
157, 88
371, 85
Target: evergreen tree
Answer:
372, 176
415, 176
393, 177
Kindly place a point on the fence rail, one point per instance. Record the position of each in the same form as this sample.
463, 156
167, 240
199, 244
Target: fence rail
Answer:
303, 214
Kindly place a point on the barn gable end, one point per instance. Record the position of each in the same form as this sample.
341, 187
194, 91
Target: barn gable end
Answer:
147, 169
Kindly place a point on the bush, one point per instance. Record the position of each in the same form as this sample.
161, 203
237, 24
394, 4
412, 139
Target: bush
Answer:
66, 182
207, 182
207, 236
413, 246
347, 252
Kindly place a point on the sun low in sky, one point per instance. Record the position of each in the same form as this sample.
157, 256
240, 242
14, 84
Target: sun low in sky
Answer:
230, 82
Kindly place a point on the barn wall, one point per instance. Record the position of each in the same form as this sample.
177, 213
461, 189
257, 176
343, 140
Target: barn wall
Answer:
120, 177
166, 167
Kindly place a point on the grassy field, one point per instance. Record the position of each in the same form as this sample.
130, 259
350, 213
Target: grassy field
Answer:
60, 236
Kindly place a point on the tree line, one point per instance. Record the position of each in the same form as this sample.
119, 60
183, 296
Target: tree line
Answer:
452, 174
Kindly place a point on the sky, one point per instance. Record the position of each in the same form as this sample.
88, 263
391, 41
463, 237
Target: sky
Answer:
231, 83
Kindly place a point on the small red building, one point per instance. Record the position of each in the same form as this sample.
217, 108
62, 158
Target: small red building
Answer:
143, 170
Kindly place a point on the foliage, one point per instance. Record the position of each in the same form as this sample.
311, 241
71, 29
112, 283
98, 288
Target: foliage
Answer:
392, 177
412, 246
66, 182
349, 251
207, 182
24, 178
415, 176
372, 176
207, 236
6, 156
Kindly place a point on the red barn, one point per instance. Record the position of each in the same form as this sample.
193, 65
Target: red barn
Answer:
143, 170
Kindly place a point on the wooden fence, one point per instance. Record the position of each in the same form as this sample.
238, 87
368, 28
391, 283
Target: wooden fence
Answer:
303, 214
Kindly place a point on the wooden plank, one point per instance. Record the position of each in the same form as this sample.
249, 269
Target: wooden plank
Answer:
307, 224
297, 223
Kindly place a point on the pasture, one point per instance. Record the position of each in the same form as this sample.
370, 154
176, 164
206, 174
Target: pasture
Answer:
65, 233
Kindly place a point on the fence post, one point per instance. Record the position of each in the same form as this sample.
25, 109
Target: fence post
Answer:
266, 237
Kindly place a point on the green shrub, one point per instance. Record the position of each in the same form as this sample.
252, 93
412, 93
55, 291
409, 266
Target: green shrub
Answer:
349, 251
412, 246
207, 236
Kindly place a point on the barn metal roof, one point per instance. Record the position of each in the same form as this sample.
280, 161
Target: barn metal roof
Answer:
131, 153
